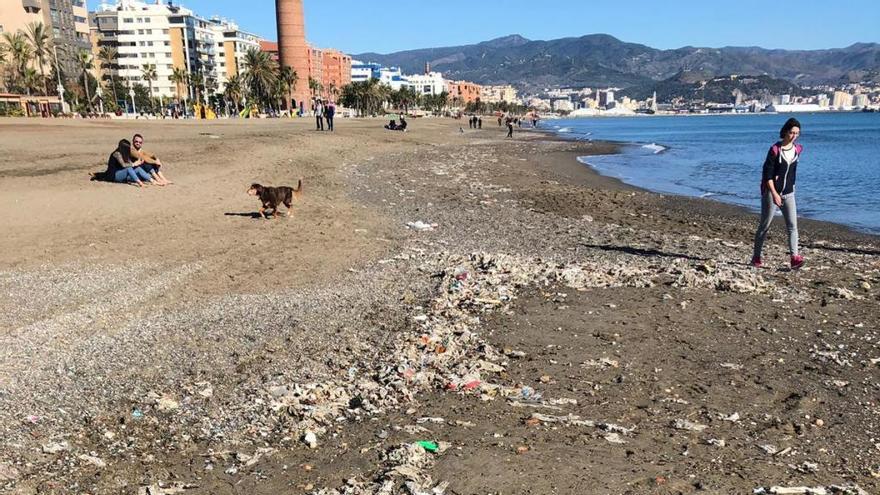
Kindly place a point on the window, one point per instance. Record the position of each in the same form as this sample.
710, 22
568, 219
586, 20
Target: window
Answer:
128, 19
140, 19
146, 19
164, 31
167, 43
140, 31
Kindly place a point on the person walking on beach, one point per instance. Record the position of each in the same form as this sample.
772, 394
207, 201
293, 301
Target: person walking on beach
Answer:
479, 122
319, 115
778, 191
329, 113
509, 128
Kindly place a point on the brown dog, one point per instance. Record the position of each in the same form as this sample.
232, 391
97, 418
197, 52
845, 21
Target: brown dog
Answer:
272, 197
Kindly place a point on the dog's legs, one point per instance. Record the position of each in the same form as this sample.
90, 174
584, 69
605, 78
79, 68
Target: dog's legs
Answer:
263, 212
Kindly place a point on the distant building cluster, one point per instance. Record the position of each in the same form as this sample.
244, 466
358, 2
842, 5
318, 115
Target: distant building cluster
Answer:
433, 83
604, 101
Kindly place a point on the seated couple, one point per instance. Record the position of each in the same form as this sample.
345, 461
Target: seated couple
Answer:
130, 163
394, 126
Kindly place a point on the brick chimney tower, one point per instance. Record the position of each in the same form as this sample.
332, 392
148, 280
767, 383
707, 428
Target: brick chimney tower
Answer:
292, 48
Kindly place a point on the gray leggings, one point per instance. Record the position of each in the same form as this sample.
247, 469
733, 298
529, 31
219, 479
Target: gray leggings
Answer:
768, 210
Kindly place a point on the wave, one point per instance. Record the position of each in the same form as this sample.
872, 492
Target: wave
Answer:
564, 130
655, 147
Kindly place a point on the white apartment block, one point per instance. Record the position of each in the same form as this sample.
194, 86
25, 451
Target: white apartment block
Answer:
497, 94
431, 83
170, 37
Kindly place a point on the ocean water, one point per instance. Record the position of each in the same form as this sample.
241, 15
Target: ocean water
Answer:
720, 157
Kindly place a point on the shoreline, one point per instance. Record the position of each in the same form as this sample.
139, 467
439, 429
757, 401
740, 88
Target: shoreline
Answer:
844, 232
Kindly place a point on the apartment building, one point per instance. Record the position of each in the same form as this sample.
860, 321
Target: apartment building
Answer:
170, 37
65, 20
336, 71
463, 92
497, 94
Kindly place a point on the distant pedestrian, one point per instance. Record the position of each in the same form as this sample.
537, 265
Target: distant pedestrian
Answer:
777, 191
319, 115
480, 123
509, 128
329, 113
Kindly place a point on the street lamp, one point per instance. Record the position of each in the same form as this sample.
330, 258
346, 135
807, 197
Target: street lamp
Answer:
64, 108
100, 95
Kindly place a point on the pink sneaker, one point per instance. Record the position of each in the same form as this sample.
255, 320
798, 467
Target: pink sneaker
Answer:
756, 262
797, 261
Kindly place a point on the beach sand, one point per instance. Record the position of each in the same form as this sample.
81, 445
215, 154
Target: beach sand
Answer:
168, 338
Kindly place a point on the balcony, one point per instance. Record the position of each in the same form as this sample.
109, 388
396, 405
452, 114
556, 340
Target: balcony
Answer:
32, 6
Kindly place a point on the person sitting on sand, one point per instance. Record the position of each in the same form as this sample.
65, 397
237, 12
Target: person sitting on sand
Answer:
121, 167
151, 163
777, 191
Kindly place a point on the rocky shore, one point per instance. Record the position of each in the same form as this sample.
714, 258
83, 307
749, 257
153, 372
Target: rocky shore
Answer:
443, 313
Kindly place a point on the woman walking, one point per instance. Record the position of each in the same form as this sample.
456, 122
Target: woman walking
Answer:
319, 115
777, 191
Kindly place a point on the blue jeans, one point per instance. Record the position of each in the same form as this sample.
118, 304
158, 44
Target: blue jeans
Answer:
149, 169
131, 174
768, 210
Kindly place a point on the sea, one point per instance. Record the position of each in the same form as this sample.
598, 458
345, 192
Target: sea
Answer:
720, 157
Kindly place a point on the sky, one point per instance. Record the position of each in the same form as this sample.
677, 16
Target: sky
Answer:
384, 26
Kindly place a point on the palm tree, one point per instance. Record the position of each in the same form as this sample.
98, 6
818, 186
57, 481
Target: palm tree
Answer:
180, 78
31, 80
288, 79
233, 90
84, 60
259, 74
197, 80
107, 56
150, 75
315, 87
20, 50
40, 44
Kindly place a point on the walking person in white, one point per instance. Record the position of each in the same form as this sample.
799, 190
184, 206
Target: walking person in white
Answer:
319, 115
777, 191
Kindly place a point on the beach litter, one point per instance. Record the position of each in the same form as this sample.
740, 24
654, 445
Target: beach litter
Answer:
422, 226
428, 445
806, 490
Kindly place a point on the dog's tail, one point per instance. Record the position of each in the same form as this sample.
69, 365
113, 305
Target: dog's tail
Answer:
299, 189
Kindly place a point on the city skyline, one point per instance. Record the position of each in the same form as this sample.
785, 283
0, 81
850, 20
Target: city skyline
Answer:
344, 24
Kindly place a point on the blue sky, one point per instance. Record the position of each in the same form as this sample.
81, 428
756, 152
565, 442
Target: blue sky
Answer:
384, 26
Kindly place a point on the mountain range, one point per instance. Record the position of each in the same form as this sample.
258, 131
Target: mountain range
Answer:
601, 60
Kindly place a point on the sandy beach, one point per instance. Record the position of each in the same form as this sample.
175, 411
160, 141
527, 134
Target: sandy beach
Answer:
544, 328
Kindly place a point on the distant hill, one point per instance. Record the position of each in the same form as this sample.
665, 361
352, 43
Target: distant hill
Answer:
719, 89
603, 60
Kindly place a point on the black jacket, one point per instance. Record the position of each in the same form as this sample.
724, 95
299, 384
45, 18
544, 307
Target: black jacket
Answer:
782, 173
